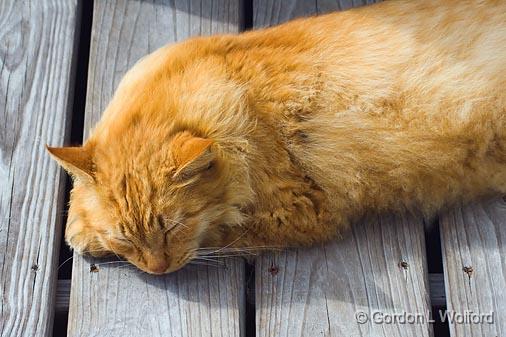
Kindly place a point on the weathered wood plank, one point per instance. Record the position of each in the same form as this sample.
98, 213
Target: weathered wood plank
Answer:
36, 62
118, 301
474, 236
436, 285
318, 291
272, 12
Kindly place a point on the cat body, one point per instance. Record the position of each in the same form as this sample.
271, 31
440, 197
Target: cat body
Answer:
284, 136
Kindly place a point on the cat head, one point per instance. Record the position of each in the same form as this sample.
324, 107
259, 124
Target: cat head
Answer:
154, 210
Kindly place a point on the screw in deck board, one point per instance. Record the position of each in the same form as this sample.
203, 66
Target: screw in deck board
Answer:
469, 271
404, 266
273, 269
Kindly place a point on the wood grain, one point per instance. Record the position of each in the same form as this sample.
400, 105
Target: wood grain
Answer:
120, 301
318, 291
36, 62
436, 285
474, 236
272, 12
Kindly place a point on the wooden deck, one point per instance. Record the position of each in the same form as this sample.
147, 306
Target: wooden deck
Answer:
383, 267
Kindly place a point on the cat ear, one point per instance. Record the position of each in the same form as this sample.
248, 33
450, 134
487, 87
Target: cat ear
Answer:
77, 161
191, 154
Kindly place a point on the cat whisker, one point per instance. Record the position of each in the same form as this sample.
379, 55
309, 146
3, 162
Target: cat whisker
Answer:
110, 262
200, 258
119, 258
67, 260
229, 255
253, 250
258, 248
204, 264
206, 248
178, 222
128, 266
231, 243
225, 253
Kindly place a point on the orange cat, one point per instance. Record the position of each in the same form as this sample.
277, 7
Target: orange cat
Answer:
284, 136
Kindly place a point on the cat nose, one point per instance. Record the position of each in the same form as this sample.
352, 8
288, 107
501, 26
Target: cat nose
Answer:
157, 266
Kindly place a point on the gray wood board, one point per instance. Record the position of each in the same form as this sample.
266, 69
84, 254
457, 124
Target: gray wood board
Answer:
318, 291
36, 62
474, 236
120, 301
436, 285
272, 12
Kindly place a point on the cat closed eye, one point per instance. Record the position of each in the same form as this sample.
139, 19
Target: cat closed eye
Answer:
168, 224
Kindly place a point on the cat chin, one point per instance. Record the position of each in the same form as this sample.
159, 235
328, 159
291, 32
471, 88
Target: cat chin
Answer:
168, 271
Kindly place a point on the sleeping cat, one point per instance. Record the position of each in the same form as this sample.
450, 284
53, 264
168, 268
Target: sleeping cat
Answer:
285, 136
